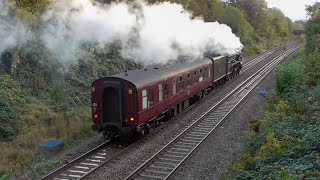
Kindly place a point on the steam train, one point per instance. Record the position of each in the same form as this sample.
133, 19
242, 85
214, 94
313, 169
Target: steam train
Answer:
134, 101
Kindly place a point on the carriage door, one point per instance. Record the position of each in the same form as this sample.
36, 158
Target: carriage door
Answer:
112, 105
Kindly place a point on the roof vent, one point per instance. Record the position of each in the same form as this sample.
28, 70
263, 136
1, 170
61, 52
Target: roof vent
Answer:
155, 68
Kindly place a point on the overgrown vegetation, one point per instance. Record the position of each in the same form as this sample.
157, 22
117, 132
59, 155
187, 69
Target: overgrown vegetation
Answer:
41, 98
284, 144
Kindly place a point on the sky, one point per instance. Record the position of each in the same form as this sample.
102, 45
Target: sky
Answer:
294, 9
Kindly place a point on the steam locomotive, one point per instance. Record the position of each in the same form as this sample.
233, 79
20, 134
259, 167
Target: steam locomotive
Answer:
134, 101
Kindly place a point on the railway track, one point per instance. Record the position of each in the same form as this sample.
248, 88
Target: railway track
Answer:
164, 163
85, 164
92, 160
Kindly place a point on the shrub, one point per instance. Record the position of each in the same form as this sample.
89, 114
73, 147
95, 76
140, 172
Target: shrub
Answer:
274, 146
287, 77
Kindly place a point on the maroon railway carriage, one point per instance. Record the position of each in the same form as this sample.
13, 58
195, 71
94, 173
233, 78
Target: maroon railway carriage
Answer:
135, 100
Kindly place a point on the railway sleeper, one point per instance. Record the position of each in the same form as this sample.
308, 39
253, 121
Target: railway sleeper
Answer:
60, 179
207, 125
189, 140
82, 167
173, 156
160, 168
90, 164
155, 171
199, 134
77, 172
202, 129
182, 147
195, 135
165, 164
170, 160
196, 139
147, 175
182, 153
185, 144
71, 175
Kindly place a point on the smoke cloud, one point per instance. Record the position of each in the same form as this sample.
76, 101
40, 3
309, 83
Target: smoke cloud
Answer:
148, 33
12, 31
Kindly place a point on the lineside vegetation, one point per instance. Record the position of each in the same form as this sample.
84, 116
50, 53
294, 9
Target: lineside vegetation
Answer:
284, 144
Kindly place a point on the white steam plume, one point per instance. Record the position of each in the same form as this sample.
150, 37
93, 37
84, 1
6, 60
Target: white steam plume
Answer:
168, 32
73, 22
12, 31
148, 33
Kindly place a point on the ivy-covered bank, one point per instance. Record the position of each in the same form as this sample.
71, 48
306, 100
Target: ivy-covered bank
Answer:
285, 143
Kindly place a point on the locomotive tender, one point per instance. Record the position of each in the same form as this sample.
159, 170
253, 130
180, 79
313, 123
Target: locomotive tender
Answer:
136, 100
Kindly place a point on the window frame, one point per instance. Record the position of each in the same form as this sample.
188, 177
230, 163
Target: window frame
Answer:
144, 95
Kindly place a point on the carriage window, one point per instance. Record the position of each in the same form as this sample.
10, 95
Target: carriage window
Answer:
200, 76
189, 80
174, 87
151, 97
144, 99
180, 83
160, 93
205, 72
165, 90
195, 76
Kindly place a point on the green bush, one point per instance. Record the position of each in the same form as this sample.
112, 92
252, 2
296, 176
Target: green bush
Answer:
287, 77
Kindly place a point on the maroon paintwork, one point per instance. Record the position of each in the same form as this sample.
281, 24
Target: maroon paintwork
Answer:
128, 87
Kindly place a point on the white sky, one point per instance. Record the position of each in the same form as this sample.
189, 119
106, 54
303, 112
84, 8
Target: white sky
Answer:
294, 9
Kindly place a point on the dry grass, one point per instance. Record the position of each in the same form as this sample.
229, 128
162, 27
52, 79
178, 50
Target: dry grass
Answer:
21, 153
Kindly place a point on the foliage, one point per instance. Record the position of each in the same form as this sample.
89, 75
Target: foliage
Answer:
185, 3
287, 76
10, 98
30, 10
286, 144
313, 28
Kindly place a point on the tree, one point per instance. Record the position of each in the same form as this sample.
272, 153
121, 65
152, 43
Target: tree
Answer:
254, 9
184, 3
313, 28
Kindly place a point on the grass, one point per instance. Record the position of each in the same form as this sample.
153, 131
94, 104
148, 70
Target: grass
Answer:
21, 153
28, 121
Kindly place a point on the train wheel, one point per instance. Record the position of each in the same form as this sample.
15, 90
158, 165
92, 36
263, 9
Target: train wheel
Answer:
147, 129
238, 72
106, 135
